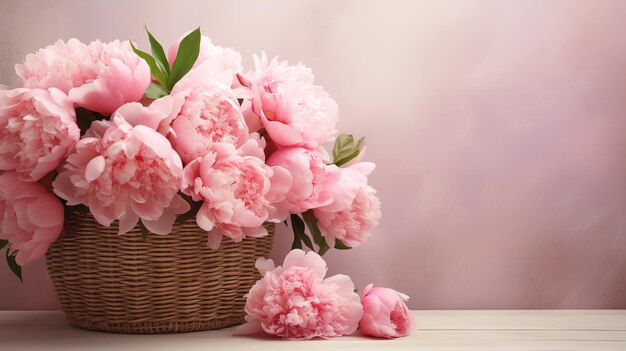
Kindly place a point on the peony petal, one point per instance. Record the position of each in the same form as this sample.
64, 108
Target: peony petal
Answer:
94, 168
203, 219
248, 328
47, 211
157, 142
214, 239
298, 258
126, 223
367, 289
282, 134
264, 265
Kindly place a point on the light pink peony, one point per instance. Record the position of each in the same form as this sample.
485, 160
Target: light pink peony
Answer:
238, 189
100, 76
126, 173
355, 209
293, 110
223, 63
296, 302
32, 218
385, 314
312, 179
352, 225
209, 114
352, 179
37, 130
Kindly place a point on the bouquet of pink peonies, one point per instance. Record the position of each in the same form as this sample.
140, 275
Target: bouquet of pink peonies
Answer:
152, 139
146, 142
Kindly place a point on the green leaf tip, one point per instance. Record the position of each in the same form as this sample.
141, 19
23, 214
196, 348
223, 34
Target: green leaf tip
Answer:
311, 223
299, 235
339, 245
186, 57
13, 265
154, 68
158, 53
165, 74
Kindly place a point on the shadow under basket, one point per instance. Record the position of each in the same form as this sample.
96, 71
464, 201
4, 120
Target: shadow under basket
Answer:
164, 284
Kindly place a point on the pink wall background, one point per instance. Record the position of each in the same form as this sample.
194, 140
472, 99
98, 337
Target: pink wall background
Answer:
498, 127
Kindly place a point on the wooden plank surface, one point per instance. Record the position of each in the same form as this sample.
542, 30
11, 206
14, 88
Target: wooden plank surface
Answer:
436, 330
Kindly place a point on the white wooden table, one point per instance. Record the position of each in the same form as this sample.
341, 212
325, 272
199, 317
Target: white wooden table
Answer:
436, 330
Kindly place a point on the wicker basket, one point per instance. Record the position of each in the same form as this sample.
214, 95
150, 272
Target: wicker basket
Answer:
165, 284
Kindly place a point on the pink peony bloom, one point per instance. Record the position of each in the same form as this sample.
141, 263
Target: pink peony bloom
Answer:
32, 218
312, 179
37, 130
352, 179
223, 63
126, 173
352, 225
296, 302
292, 110
100, 76
385, 314
209, 114
238, 190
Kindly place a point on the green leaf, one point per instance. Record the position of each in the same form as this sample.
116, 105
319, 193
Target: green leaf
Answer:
345, 150
154, 68
343, 146
158, 53
311, 223
339, 245
297, 243
15, 268
155, 91
297, 226
3, 243
187, 55
195, 207
348, 158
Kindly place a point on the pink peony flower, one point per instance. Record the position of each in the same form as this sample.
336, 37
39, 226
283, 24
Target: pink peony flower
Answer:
223, 63
352, 225
354, 210
292, 110
32, 218
209, 114
238, 190
385, 314
352, 179
126, 173
312, 179
100, 76
37, 130
296, 302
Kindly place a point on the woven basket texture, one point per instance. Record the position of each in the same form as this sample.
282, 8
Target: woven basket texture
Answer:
164, 284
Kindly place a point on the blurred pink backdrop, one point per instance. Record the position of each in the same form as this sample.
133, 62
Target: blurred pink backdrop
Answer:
498, 127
